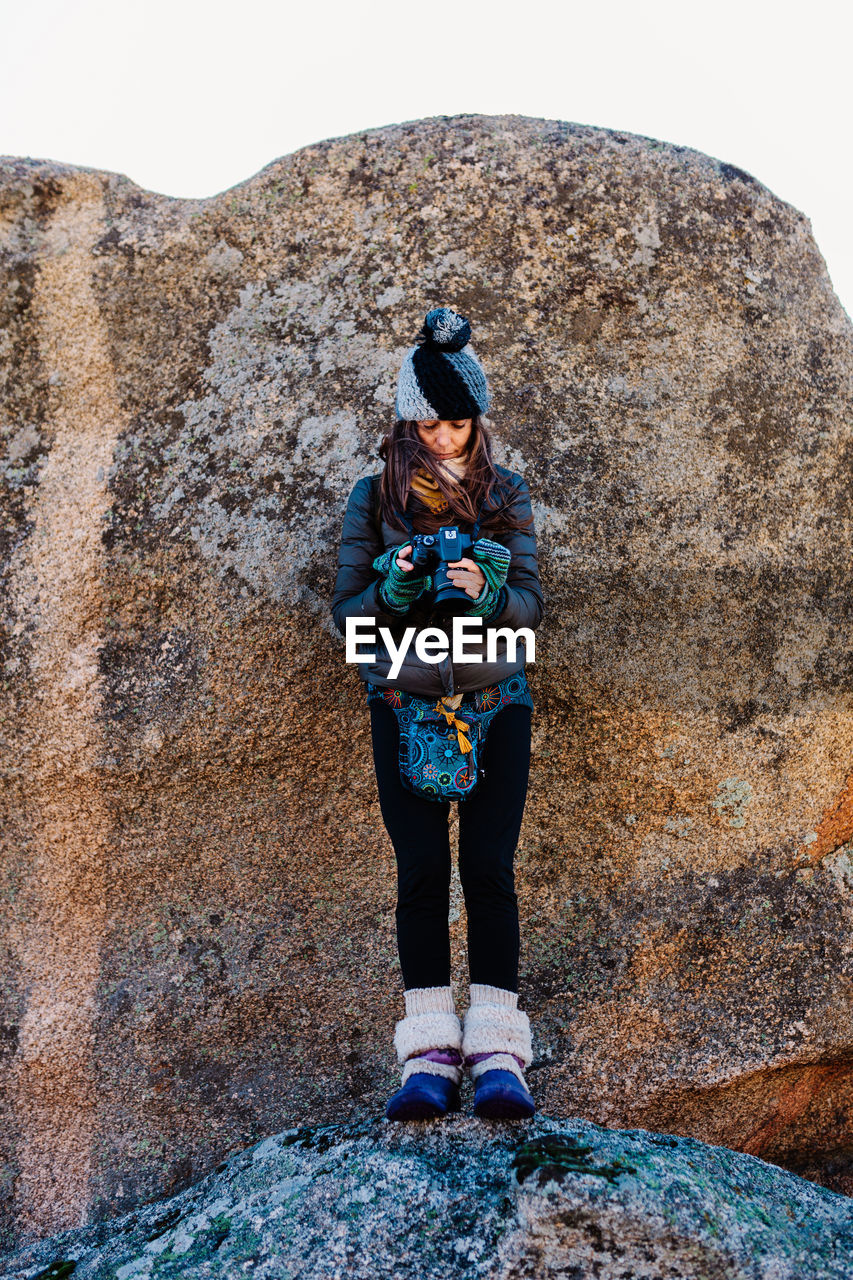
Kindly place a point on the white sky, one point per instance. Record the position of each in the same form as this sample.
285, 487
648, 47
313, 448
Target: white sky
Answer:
189, 98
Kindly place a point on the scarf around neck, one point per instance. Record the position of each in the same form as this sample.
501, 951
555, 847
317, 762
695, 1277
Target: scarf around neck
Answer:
427, 488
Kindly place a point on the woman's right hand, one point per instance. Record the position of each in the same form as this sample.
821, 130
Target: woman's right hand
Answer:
402, 582
402, 561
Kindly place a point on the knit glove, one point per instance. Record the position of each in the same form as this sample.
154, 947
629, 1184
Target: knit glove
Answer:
494, 560
399, 590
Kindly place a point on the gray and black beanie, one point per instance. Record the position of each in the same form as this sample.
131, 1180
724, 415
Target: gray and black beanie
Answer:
442, 377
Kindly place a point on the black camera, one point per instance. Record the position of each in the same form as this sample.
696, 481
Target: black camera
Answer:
433, 551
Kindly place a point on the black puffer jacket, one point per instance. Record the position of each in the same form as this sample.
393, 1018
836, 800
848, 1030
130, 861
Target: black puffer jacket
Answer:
355, 596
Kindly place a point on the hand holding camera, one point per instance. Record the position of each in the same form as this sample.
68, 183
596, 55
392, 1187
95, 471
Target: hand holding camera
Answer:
464, 573
437, 560
458, 579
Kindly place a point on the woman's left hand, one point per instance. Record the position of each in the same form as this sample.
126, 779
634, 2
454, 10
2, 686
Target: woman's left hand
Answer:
466, 574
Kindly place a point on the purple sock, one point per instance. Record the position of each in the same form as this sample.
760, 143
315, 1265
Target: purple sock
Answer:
450, 1057
481, 1057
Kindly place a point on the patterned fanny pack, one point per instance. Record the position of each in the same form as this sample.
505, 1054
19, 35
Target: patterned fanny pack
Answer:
441, 740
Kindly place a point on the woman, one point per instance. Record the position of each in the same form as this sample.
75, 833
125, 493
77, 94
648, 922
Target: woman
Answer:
439, 472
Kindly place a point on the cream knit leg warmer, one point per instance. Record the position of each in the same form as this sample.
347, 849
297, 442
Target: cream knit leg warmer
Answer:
496, 1033
429, 1038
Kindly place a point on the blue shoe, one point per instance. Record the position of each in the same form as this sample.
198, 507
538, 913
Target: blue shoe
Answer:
423, 1097
500, 1095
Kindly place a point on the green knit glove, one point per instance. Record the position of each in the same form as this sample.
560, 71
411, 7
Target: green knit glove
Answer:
399, 590
494, 560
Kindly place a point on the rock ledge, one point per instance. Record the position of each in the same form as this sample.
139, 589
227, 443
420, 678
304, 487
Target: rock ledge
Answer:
468, 1199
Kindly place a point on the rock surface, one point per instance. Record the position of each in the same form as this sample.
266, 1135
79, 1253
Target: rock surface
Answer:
463, 1199
198, 890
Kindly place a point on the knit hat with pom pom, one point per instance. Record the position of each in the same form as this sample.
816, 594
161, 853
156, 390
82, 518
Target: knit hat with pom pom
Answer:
442, 377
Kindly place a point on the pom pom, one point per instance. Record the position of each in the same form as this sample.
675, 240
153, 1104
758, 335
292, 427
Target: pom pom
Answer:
445, 330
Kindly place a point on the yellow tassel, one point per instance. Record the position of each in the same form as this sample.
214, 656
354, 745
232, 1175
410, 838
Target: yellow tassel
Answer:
452, 720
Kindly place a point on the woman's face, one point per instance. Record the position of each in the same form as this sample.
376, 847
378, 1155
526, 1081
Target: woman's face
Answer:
446, 439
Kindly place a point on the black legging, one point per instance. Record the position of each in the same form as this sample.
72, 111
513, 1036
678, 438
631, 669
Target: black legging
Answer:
489, 823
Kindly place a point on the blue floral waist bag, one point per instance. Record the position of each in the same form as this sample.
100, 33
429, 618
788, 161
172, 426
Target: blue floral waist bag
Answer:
442, 740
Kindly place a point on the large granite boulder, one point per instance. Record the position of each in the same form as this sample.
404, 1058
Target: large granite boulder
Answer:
372, 1200
198, 890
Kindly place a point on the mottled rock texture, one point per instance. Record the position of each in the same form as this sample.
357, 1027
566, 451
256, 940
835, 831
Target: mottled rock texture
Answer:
198, 892
460, 1198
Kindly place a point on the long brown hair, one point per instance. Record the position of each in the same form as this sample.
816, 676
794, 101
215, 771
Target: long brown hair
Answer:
404, 452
